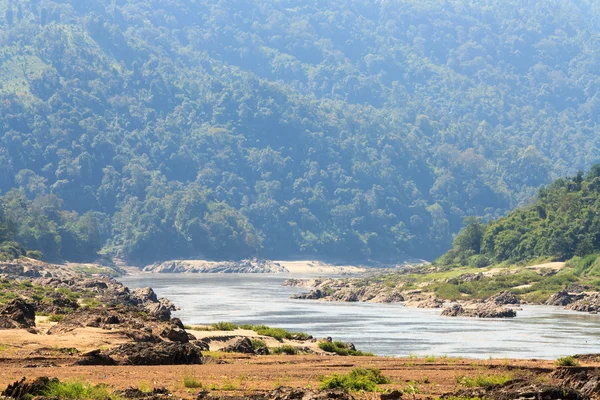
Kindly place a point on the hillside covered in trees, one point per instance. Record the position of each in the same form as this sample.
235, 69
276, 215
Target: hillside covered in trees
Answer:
562, 223
351, 129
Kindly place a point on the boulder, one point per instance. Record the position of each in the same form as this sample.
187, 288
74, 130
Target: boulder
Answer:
135, 393
242, 345
289, 393
584, 379
164, 353
590, 302
25, 389
562, 298
481, 310
17, 315
506, 297
175, 334
315, 294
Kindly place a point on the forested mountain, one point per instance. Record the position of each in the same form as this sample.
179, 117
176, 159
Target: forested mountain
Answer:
563, 222
347, 128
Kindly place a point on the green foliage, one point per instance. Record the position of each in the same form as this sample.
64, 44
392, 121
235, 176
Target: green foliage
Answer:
483, 380
257, 343
56, 317
191, 382
283, 136
279, 333
562, 223
284, 349
78, 390
358, 379
224, 326
568, 361
340, 348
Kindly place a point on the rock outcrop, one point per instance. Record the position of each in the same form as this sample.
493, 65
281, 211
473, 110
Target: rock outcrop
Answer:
251, 266
156, 354
586, 380
479, 310
589, 302
563, 298
357, 290
17, 315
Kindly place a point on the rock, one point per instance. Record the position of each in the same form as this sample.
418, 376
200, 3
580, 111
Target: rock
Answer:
289, 393
394, 395
157, 354
521, 389
96, 359
584, 379
315, 294
135, 393
175, 334
590, 302
506, 297
17, 315
252, 266
242, 345
160, 311
562, 298
24, 389
202, 345
144, 295
481, 310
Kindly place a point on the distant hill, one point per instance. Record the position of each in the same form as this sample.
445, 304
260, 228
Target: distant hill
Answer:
167, 129
562, 222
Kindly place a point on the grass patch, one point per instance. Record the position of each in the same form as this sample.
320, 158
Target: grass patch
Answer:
56, 318
257, 343
78, 390
224, 326
483, 380
568, 361
191, 382
285, 349
340, 348
359, 379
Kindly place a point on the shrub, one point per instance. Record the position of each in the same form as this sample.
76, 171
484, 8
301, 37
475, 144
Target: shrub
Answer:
191, 383
78, 390
285, 349
341, 349
568, 361
56, 317
224, 326
279, 333
257, 343
483, 380
358, 379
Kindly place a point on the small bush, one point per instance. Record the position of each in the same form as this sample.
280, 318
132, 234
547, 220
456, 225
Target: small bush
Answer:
568, 361
224, 326
285, 349
257, 343
358, 379
78, 390
341, 349
191, 383
56, 317
279, 333
483, 380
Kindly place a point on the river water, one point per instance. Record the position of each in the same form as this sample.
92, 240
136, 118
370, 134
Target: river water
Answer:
384, 329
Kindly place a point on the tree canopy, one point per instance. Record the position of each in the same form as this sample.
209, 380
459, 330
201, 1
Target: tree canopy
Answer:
562, 222
349, 128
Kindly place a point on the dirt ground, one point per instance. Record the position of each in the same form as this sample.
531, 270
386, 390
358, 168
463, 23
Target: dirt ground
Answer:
27, 355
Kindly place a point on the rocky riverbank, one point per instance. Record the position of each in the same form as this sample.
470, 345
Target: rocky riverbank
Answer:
489, 293
251, 266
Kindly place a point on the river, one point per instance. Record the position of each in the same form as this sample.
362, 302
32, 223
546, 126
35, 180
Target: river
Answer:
385, 329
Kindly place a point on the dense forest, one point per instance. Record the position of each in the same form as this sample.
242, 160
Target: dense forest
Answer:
352, 129
563, 222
